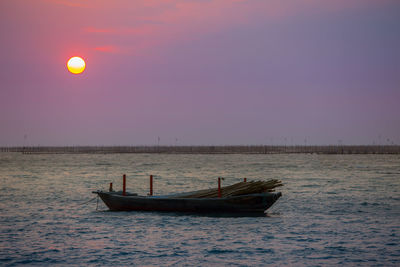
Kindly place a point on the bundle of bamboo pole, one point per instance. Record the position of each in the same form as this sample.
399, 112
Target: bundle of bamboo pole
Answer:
241, 188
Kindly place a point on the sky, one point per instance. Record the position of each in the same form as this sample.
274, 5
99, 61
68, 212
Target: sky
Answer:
200, 72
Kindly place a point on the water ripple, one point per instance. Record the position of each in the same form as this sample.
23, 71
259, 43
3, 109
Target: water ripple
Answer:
335, 209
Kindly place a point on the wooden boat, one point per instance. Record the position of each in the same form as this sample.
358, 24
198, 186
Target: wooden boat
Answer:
250, 203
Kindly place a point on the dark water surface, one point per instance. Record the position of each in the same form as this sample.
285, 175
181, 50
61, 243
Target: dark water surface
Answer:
335, 209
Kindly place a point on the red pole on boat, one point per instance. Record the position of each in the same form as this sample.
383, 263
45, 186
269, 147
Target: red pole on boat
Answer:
219, 186
151, 185
111, 187
245, 180
124, 185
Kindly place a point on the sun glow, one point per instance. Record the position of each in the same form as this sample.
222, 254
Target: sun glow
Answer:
76, 65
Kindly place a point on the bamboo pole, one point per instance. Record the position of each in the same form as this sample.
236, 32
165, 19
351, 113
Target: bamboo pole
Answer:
241, 188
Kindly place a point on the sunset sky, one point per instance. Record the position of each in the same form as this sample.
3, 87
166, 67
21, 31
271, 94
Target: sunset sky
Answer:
201, 72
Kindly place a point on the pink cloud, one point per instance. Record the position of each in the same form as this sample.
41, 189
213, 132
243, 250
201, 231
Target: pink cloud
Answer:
97, 30
177, 20
108, 49
141, 30
70, 3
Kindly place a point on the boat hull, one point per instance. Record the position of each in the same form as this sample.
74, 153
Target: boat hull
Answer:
236, 204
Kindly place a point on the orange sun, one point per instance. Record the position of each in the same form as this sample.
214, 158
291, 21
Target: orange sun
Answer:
76, 65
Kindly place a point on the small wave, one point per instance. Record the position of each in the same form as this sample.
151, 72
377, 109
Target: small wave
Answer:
221, 251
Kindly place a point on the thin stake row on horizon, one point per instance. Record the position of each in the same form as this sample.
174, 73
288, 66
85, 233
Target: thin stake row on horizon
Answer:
251, 149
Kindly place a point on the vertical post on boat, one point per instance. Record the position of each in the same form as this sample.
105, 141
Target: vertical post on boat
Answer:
124, 185
111, 189
245, 180
151, 185
219, 187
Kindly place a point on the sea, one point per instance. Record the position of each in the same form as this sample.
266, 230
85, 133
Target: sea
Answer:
334, 210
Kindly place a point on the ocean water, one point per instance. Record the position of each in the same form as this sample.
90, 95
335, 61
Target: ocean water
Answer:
335, 209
